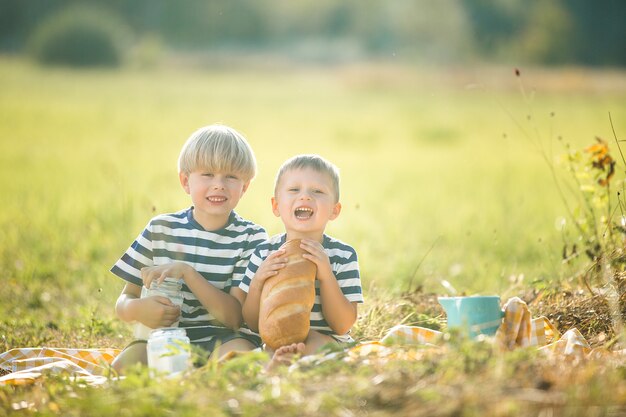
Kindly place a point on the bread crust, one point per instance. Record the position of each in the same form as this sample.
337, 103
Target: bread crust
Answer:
287, 299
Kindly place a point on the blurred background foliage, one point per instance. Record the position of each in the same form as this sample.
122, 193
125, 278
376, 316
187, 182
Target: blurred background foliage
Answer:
558, 32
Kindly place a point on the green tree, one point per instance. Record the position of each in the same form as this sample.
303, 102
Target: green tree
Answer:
81, 35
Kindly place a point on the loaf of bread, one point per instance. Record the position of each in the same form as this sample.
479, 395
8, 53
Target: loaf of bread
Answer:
287, 299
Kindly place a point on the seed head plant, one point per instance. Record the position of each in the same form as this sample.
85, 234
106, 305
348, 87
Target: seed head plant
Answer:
599, 217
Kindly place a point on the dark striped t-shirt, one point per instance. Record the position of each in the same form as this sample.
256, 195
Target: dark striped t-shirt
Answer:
345, 266
220, 256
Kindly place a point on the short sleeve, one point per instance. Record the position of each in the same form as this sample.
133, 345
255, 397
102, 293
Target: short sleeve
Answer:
137, 256
349, 277
253, 265
243, 262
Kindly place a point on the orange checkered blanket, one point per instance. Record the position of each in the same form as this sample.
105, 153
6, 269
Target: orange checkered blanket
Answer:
26, 365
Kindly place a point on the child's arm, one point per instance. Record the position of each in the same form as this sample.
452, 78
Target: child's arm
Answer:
153, 311
252, 302
224, 307
339, 313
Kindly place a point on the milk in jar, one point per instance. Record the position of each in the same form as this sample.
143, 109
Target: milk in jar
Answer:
169, 350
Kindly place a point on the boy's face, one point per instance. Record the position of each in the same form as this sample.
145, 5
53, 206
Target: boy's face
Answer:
305, 201
214, 194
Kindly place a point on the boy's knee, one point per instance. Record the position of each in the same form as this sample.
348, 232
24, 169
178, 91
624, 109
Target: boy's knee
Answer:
233, 345
133, 354
315, 340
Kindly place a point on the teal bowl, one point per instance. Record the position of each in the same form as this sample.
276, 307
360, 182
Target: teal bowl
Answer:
474, 315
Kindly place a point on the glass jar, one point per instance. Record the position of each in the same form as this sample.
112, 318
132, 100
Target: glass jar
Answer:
169, 350
170, 288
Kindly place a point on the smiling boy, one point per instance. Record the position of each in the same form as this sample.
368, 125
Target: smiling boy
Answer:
207, 246
306, 198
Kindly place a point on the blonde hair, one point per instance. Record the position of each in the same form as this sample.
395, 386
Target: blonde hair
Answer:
217, 148
315, 162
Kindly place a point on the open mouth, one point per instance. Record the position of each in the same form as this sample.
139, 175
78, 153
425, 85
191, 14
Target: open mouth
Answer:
303, 213
216, 199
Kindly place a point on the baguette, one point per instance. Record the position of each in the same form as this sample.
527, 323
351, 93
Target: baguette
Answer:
287, 299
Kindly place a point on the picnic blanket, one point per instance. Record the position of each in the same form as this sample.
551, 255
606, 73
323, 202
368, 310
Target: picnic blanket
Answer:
27, 365
518, 329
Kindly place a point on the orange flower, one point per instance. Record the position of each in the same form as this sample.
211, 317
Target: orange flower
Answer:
602, 161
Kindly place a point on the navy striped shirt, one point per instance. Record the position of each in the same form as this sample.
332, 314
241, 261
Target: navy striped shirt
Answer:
220, 256
345, 267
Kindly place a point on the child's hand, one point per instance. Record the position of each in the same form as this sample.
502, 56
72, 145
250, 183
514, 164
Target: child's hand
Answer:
270, 266
317, 255
174, 270
157, 311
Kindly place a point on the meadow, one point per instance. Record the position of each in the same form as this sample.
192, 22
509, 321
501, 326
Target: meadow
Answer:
446, 175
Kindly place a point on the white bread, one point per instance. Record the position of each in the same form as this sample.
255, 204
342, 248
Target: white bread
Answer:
287, 299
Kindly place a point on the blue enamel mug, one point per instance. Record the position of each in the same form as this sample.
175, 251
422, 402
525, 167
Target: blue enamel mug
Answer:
475, 314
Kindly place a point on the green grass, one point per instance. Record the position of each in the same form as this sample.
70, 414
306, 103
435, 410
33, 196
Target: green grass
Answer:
88, 157
441, 169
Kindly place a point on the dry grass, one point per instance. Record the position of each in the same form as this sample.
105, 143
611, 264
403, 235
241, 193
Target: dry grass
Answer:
588, 312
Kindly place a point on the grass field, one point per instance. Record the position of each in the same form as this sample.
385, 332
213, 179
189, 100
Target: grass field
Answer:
444, 173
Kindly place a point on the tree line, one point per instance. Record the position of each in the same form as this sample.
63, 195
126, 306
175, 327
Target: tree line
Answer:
555, 32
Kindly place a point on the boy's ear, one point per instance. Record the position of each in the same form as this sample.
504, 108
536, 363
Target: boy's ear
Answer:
275, 207
336, 211
245, 187
184, 181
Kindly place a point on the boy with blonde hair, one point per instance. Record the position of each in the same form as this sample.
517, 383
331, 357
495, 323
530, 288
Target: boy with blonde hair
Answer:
306, 198
207, 246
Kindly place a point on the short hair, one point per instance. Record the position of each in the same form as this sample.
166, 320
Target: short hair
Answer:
217, 148
314, 162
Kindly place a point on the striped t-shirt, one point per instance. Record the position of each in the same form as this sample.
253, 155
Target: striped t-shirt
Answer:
220, 256
345, 267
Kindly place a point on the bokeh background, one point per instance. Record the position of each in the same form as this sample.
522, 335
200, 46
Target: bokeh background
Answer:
448, 31
450, 120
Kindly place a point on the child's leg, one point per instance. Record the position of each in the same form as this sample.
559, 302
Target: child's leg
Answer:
315, 340
136, 352
231, 346
284, 355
